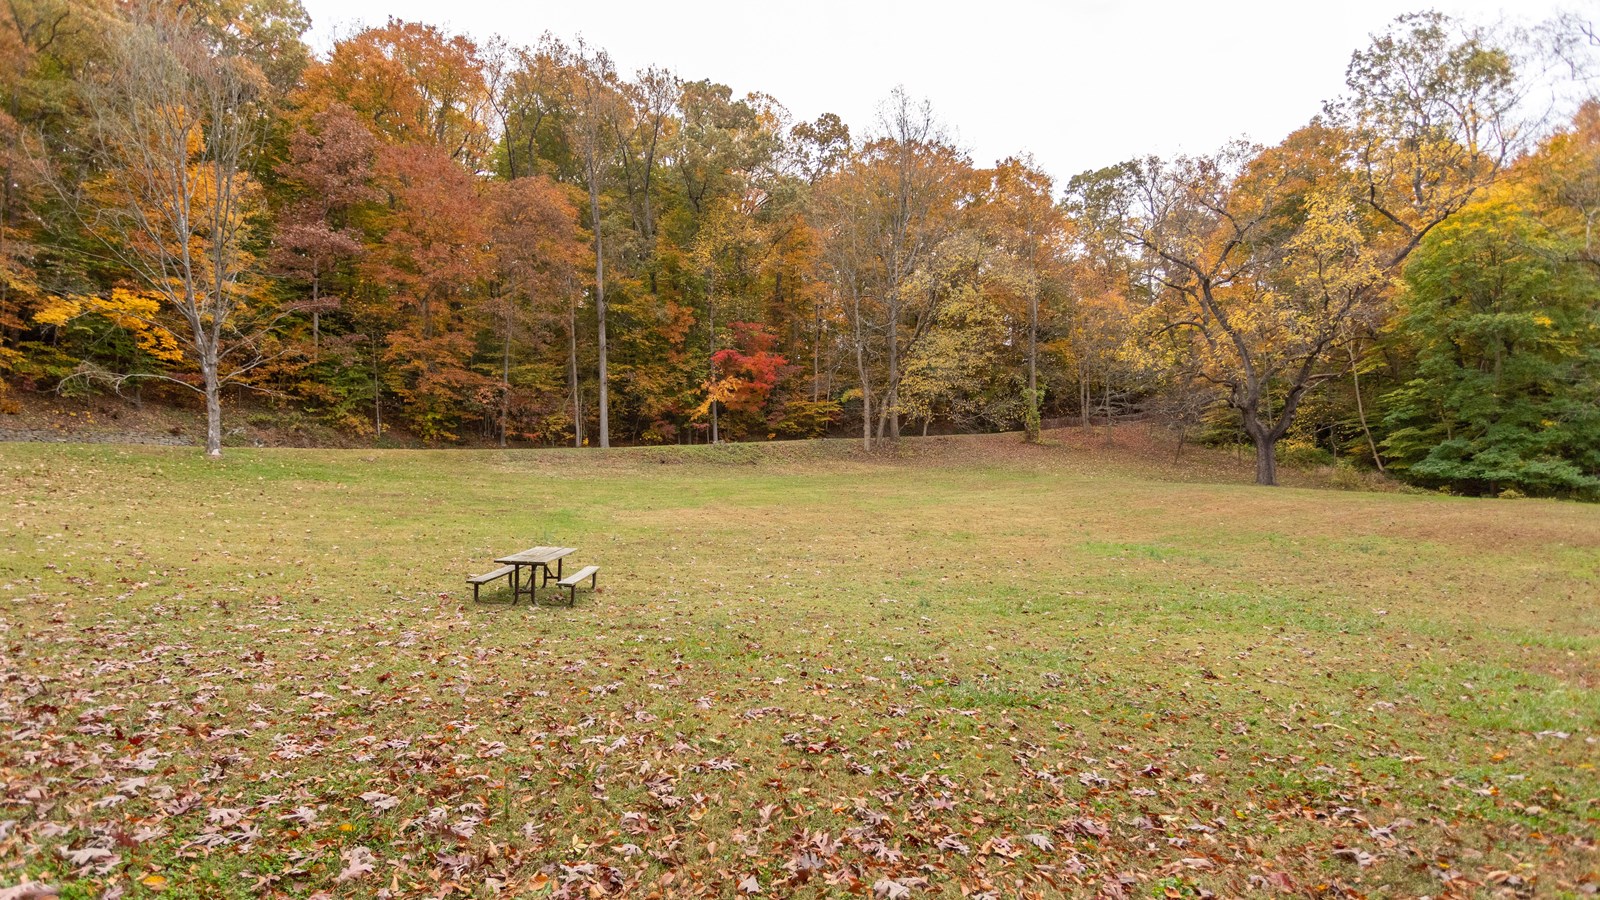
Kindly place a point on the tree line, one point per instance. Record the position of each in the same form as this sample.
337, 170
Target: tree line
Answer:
490, 241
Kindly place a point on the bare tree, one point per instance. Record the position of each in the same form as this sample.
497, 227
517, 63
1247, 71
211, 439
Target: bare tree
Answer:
844, 263
922, 172
639, 122
175, 126
880, 216
591, 95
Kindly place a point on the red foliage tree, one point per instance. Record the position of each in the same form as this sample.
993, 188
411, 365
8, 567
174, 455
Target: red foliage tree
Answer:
745, 376
329, 167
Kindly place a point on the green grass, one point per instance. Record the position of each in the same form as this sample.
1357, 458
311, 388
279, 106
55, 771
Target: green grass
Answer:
804, 666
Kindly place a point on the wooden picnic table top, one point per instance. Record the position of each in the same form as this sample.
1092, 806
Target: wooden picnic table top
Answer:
536, 556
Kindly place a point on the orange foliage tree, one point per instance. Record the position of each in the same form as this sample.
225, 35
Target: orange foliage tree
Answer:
427, 268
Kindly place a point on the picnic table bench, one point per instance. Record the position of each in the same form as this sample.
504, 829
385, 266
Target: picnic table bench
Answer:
537, 560
478, 581
572, 581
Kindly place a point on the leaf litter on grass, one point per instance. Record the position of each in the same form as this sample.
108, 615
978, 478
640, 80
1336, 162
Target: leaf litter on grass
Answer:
706, 728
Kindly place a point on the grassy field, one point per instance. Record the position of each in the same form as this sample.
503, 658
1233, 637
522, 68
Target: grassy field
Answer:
976, 669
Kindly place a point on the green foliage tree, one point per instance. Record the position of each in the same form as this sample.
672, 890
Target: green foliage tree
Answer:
1504, 321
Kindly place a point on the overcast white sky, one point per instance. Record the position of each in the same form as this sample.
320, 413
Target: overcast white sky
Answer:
1079, 83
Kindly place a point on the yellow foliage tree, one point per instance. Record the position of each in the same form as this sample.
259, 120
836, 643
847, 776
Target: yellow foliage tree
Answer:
136, 312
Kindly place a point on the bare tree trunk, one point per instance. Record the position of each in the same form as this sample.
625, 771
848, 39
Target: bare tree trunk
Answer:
316, 318
600, 311
816, 349
861, 367
7, 183
866, 421
1031, 422
1083, 396
377, 395
591, 98
213, 391
505, 379
1361, 412
1266, 461
572, 374
866, 398
1107, 396
711, 321
891, 400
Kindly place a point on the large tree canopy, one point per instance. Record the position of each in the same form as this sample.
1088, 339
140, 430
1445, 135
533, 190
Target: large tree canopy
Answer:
468, 239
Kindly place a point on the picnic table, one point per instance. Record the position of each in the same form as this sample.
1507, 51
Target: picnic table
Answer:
534, 558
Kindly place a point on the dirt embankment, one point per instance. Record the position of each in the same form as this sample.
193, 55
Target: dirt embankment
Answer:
112, 420
1145, 446
61, 436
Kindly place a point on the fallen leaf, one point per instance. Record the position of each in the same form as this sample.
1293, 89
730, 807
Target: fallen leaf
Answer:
358, 861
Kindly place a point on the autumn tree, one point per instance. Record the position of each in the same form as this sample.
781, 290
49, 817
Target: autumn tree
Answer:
1021, 217
958, 368
45, 49
719, 142
1568, 183
20, 37
924, 180
879, 217
745, 377
727, 229
410, 83
1261, 277
1106, 287
529, 92
329, 168
533, 233
1430, 118
176, 126
819, 147
430, 262
740, 142
641, 126
1268, 260
266, 32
